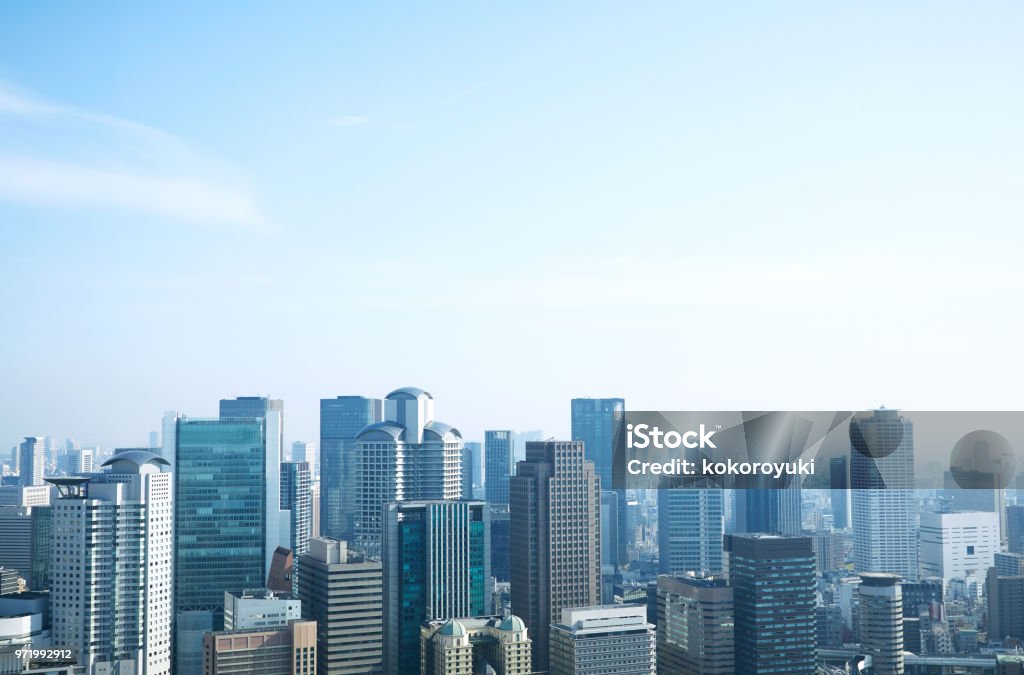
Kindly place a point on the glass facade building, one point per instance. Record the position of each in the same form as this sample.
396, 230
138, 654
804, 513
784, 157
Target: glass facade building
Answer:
691, 524
498, 460
595, 422
341, 419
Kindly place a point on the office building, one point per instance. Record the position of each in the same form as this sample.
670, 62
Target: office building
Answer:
921, 595
260, 608
314, 509
25, 533
691, 523
408, 456
10, 581
773, 583
282, 651
343, 592
1008, 564
111, 567
839, 481
958, 544
596, 422
244, 407
466, 646
25, 495
881, 622
554, 509
1005, 606
498, 456
1015, 528
297, 500
228, 521
31, 460
829, 551
468, 468
305, 452
604, 639
501, 543
883, 501
79, 461
436, 566
774, 509
341, 420
609, 535
695, 626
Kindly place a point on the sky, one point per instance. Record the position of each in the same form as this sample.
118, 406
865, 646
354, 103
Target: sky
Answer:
694, 206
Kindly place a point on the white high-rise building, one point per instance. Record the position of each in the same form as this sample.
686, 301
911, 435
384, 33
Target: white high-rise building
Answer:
80, 461
32, 460
958, 544
603, 639
408, 456
111, 572
883, 498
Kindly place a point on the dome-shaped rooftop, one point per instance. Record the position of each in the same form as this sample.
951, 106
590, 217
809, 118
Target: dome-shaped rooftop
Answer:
136, 459
406, 393
452, 629
386, 431
512, 623
440, 430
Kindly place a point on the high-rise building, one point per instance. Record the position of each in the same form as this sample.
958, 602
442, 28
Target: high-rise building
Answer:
829, 550
25, 495
343, 592
501, 543
314, 509
695, 626
603, 639
290, 650
596, 422
881, 622
1015, 528
436, 566
111, 566
408, 456
228, 521
773, 583
959, 544
609, 535
769, 510
244, 407
919, 596
498, 455
297, 500
554, 509
690, 527
304, 452
1005, 606
839, 479
341, 420
467, 472
31, 460
1008, 564
79, 461
25, 533
882, 495
466, 646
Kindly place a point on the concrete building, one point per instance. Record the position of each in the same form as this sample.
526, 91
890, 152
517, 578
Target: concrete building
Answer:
25, 495
881, 622
31, 460
283, 651
554, 509
958, 544
343, 592
691, 524
408, 456
695, 626
111, 569
1005, 606
828, 548
492, 644
260, 608
1008, 564
603, 639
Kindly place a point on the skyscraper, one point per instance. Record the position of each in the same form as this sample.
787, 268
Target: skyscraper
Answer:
773, 582
596, 422
436, 566
1015, 528
955, 545
769, 510
881, 622
31, 460
408, 456
341, 419
296, 499
690, 527
286, 650
498, 457
839, 480
467, 472
343, 592
604, 639
227, 523
883, 499
695, 626
304, 452
79, 461
554, 509
111, 593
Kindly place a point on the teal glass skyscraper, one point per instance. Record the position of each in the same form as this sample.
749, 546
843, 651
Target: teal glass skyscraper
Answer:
341, 420
596, 422
436, 566
220, 523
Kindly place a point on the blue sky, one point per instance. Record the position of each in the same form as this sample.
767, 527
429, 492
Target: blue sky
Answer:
693, 206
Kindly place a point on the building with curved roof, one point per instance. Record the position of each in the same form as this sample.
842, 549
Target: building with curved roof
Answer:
465, 646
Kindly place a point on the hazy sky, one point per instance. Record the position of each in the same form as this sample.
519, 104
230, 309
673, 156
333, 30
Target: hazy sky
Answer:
714, 206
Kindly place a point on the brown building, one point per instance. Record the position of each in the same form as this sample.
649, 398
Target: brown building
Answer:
290, 650
554, 509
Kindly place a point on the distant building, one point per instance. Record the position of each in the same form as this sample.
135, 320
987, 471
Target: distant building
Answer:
283, 651
341, 420
501, 543
32, 460
603, 639
596, 422
1005, 606
467, 646
499, 460
1009, 564
1015, 528
695, 626
25, 495
80, 461
691, 523
343, 592
839, 479
296, 498
829, 552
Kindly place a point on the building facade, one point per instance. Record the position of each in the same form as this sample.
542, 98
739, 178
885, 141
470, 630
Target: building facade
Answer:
881, 622
290, 650
604, 639
341, 420
492, 644
498, 459
958, 544
691, 523
695, 626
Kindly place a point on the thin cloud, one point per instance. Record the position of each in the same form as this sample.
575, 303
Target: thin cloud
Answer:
153, 171
348, 121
